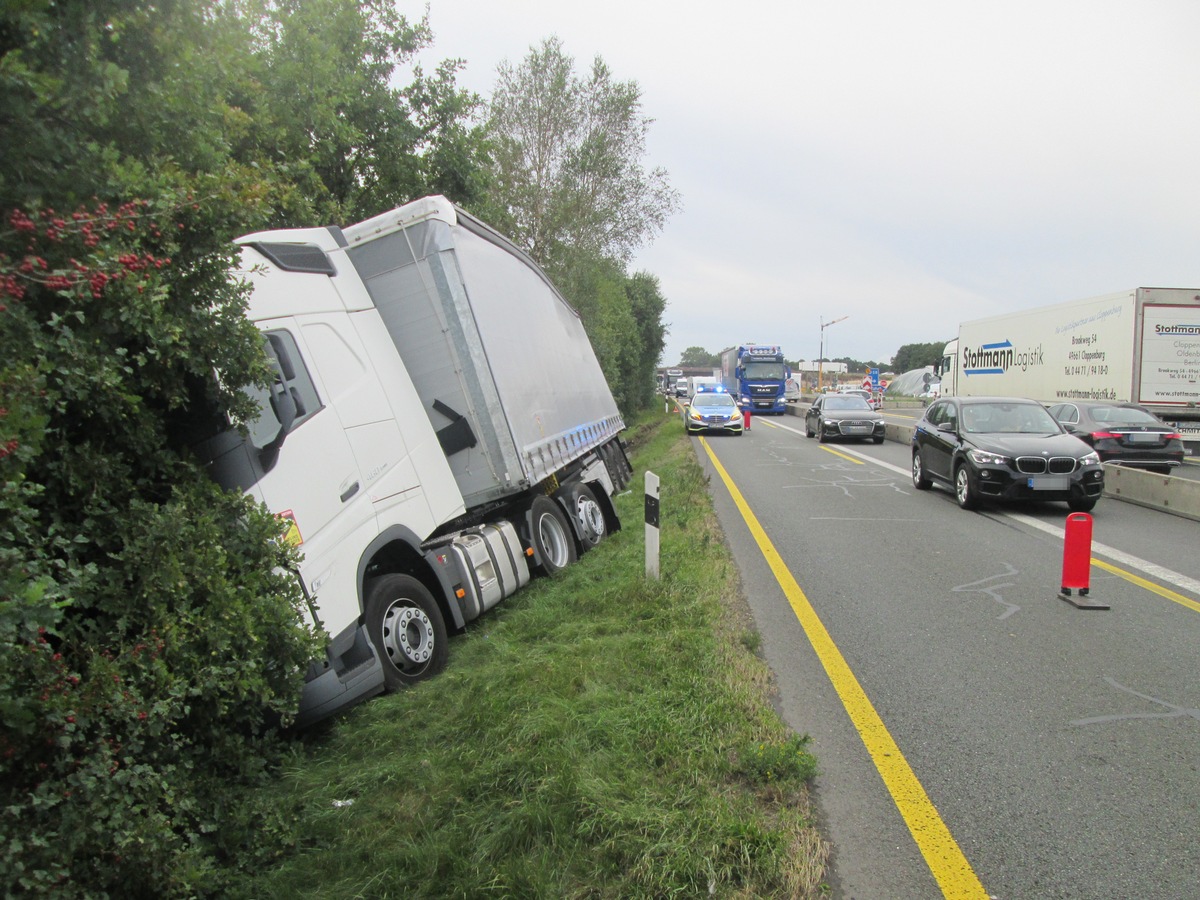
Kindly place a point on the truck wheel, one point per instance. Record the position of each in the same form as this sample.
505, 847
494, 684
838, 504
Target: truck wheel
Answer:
407, 629
589, 517
551, 535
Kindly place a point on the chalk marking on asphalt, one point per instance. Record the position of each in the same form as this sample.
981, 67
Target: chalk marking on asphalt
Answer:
846, 456
942, 854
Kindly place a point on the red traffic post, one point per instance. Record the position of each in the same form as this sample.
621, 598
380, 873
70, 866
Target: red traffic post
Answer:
1077, 562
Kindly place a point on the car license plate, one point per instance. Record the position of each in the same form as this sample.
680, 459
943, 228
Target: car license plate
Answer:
858, 429
1049, 482
1143, 437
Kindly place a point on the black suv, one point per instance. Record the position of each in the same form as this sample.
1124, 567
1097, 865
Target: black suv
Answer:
1003, 448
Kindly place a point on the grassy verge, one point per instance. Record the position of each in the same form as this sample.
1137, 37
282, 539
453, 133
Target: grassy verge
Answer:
597, 735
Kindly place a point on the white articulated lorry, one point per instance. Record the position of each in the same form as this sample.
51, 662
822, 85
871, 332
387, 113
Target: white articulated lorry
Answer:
1140, 346
439, 428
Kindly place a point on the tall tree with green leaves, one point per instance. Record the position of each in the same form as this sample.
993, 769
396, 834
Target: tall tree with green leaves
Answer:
917, 356
567, 159
568, 184
698, 356
352, 137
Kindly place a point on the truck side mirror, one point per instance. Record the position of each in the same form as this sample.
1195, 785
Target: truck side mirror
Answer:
284, 405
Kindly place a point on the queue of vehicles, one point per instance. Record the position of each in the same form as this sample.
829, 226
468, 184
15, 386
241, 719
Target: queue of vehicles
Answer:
1031, 405
987, 449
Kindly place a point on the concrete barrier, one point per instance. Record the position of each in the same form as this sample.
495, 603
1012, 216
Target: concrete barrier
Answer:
1177, 496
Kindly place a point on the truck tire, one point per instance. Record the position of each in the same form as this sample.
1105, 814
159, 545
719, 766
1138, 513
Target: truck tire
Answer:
551, 535
588, 515
407, 629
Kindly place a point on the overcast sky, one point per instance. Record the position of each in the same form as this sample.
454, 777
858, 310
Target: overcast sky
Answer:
906, 165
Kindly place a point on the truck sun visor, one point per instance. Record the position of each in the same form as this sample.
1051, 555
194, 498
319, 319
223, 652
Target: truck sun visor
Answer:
296, 257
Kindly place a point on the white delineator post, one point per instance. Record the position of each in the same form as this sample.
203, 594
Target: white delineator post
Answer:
652, 525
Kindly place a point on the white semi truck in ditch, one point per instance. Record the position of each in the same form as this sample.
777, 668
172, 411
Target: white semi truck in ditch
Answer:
1140, 346
439, 428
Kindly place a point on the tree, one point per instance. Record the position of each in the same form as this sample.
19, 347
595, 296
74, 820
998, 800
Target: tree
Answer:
568, 186
354, 143
647, 304
917, 356
695, 357
567, 156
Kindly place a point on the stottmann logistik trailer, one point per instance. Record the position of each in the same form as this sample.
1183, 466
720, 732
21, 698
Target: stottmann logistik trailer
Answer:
1140, 346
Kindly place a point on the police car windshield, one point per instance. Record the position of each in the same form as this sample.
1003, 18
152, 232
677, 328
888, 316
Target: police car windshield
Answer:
712, 400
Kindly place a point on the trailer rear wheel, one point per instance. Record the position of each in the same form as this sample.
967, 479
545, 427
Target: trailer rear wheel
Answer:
407, 629
589, 517
551, 536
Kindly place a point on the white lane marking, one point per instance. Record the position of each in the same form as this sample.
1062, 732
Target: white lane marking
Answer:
1152, 570
1128, 560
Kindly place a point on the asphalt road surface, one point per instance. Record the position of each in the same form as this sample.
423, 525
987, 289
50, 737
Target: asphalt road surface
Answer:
977, 735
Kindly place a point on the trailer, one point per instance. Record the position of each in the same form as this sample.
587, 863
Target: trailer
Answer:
438, 432
1141, 345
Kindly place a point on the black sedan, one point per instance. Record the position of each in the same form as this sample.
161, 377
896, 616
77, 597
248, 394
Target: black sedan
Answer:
1003, 448
843, 416
1124, 434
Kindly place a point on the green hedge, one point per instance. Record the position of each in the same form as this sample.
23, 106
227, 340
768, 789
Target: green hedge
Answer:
150, 633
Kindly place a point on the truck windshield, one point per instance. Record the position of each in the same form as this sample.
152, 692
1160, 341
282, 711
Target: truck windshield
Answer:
765, 370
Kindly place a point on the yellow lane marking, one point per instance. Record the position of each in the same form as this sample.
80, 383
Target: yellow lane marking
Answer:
941, 852
1147, 585
857, 462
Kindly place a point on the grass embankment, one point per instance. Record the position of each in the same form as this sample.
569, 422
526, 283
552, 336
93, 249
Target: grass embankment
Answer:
597, 735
